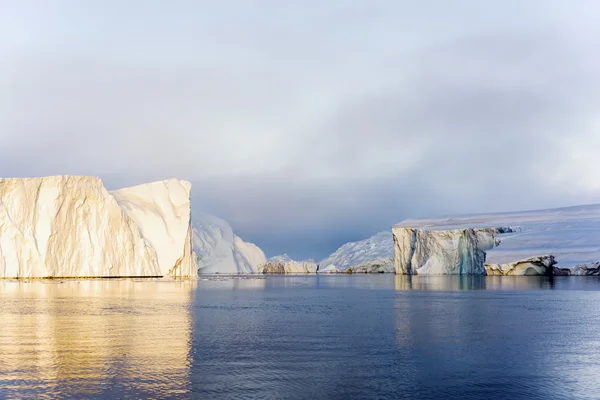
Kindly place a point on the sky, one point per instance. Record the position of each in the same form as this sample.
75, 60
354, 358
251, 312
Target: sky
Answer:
307, 124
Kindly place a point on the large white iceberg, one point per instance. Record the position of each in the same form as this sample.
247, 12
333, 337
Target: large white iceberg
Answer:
71, 226
220, 251
566, 240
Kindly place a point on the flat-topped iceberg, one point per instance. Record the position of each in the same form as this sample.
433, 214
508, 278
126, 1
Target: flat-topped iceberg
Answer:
563, 241
442, 252
71, 226
285, 265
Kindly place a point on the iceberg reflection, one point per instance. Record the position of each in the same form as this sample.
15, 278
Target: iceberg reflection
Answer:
96, 338
431, 282
476, 282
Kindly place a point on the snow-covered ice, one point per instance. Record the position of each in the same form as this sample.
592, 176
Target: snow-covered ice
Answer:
379, 247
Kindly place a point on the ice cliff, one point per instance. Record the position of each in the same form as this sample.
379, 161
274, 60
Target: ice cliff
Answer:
71, 226
441, 252
563, 240
221, 251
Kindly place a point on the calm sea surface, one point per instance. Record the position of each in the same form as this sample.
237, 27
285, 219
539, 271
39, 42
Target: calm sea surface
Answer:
304, 337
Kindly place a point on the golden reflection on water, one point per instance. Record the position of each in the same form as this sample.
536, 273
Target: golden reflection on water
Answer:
79, 338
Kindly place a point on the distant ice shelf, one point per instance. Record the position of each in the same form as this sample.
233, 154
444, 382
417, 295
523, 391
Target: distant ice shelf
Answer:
563, 241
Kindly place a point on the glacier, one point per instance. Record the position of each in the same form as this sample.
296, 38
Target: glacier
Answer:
71, 226
564, 240
220, 250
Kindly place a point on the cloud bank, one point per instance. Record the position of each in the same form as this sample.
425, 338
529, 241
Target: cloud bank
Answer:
311, 123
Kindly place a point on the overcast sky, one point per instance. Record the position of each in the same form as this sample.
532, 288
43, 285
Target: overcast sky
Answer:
307, 124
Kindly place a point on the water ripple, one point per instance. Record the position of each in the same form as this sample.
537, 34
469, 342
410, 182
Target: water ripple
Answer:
299, 337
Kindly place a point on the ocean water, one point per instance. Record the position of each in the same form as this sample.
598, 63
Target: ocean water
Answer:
302, 337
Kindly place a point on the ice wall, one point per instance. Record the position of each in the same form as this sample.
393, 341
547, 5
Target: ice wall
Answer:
71, 226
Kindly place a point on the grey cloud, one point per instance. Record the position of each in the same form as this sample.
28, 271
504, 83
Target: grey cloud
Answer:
308, 125
484, 141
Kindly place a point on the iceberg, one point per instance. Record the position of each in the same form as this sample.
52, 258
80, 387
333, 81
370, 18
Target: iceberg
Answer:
592, 268
285, 265
379, 266
362, 256
538, 265
220, 250
563, 241
442, 252
71, 226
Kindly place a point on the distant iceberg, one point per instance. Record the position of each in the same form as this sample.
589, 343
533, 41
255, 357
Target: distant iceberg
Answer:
220, 250
283, 264
71, 226
378, 266
372, 255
